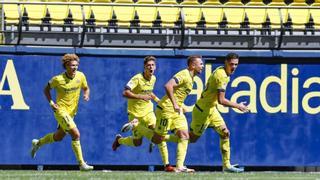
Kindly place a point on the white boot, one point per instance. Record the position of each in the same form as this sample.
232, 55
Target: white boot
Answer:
34, 147
85, 167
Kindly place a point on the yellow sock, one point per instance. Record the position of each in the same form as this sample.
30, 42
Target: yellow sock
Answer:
163, 149
181, 152
225, 152
76, 146
171, 138
146, 132
128, 141
46, 139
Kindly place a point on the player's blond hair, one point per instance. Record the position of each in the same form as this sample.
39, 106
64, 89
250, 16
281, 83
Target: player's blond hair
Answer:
69, 57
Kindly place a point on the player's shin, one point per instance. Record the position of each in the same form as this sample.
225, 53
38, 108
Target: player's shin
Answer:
225, 151
163, 149
76, 146
47, 139
181, 152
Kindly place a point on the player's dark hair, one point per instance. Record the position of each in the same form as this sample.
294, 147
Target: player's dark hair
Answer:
149, 58
192, 58
232, 56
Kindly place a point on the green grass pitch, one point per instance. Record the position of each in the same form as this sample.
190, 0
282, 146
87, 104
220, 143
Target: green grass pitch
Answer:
140, 175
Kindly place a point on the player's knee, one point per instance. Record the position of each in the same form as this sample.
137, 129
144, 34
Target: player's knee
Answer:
137, 142
223, 150
75, 136
157, 139
183, 134
225, 133
57, 138
193, 138
183, 137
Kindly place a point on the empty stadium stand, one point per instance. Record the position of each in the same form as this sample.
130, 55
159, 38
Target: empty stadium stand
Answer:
254, 24
278, 16
12, 13
315, 14
212, 16
146, 15
124, 14
35, 13
192, 15
58, 13
256, 17
234, 16
299, 17
169, 15
80, 14
101, 14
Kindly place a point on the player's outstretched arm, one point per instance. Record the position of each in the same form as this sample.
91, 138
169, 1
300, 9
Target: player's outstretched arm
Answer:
226, 102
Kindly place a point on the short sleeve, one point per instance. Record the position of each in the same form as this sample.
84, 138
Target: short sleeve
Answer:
154, 79
53, 82
84, 83
132, 83
222, 82
222, 86
179, 77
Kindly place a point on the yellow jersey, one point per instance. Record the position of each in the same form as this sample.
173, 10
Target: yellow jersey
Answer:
68, 91
217, 81
184, 81
139, 85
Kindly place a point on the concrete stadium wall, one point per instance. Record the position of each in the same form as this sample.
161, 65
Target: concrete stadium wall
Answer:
281, 88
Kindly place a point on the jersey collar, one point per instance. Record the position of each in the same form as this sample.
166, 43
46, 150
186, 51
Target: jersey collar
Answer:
224, 68
190, 74
145, 78
68, 76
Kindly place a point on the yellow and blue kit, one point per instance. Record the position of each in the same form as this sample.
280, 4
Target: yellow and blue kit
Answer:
68, 93
167, 118
205, 113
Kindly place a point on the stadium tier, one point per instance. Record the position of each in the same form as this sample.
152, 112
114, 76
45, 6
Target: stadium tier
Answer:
192, 10
149, 13
167, 16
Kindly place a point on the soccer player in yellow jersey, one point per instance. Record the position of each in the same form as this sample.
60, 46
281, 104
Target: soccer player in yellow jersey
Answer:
139, 92
205, 114
67, 86
169, 111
